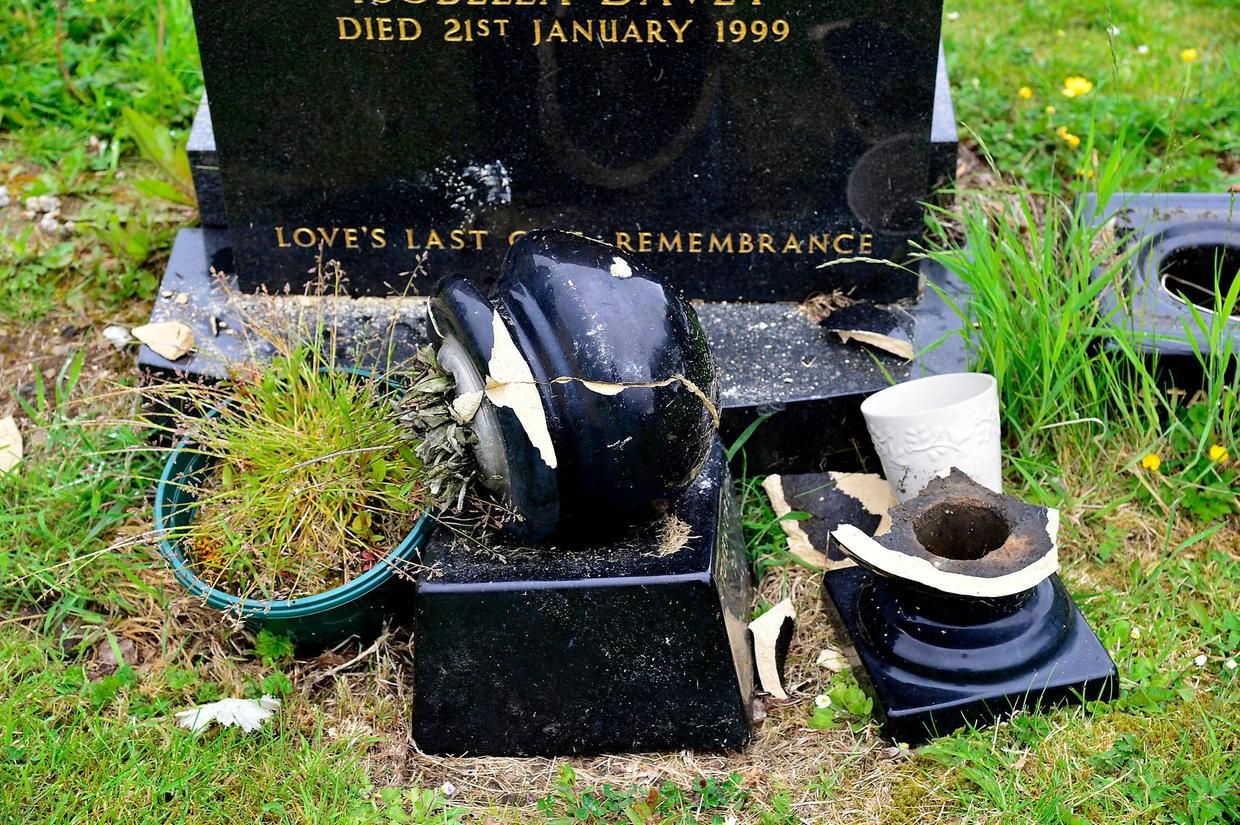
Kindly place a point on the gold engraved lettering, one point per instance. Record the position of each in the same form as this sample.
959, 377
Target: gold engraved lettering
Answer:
610, 31
670, 244
350, 28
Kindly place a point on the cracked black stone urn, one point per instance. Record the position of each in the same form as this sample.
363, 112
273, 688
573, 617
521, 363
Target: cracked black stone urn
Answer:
956, 615
599, 394
609, 611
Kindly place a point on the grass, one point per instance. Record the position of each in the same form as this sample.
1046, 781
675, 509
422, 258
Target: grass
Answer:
311, 483
97, 649
1190, 111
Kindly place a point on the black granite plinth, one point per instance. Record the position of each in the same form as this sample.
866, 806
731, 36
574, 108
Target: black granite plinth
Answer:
1176, 241
932, 668
627, 645
773, 359
737, 146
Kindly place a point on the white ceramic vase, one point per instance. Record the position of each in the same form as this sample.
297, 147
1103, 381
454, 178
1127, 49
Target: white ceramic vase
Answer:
925, 427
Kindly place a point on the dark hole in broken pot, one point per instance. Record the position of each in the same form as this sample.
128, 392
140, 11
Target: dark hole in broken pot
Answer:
1193, 272
961, 530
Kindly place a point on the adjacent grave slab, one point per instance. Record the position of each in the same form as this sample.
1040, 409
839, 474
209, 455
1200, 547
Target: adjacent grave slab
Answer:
736, 145
1179, 243
773, 360
627, 645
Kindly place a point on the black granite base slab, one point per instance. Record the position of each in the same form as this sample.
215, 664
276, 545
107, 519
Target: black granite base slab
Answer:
929, 676
774, 360
627, 645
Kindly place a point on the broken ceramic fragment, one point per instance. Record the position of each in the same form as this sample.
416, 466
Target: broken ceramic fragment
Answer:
961, 538
10, 444
169, 339
772, 634
889, 330
828, 500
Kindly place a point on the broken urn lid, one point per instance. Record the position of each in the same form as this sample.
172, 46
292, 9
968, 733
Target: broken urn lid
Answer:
960, 538
589, 384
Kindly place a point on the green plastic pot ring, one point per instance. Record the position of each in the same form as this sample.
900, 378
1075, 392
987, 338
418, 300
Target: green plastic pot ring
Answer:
356, 608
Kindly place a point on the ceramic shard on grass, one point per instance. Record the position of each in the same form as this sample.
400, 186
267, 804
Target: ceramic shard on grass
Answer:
10, 445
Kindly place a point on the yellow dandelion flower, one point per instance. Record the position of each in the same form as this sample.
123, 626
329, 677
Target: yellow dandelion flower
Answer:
1025, 93
1076, 86
1050, 110
1189, 55
1086, 172
1067, 137
1218, 453
1151, 462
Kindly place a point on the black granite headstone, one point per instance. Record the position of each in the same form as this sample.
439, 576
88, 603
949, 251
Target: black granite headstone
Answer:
736, 144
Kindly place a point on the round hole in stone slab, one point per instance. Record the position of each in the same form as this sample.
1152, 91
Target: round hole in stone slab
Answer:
964, 531
1192, 272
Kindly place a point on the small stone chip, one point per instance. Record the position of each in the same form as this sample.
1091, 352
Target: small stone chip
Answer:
169, 339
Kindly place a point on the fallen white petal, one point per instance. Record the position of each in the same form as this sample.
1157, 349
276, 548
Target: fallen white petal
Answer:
831, 659
118, 337
247, 714
10, 445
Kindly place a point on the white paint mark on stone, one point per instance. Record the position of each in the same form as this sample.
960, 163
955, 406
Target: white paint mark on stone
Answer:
620, 268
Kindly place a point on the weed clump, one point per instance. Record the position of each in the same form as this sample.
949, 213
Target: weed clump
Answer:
311, 476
